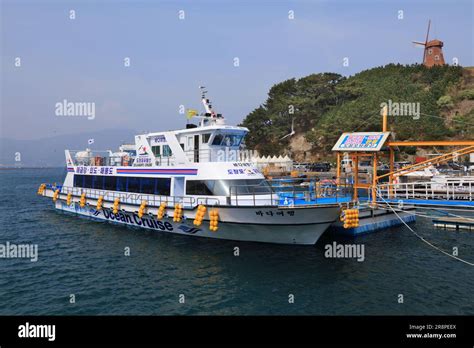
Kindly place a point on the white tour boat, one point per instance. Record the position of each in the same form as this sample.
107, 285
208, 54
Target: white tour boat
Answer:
189, 182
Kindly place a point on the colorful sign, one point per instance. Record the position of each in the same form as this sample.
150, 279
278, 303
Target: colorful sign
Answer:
363, 141
247, 171
93, 170
130, 171
142, 151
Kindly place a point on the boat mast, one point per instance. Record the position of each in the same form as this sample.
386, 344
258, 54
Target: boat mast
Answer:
209, 115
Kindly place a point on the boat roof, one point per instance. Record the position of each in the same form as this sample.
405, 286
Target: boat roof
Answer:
201, 129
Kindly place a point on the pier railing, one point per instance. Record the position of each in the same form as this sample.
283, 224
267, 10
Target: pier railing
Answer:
452, 189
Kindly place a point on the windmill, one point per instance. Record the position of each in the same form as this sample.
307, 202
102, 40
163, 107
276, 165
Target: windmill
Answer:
432, 53
292, 129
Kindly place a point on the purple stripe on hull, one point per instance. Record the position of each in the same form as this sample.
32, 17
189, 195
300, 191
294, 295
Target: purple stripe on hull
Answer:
158, 171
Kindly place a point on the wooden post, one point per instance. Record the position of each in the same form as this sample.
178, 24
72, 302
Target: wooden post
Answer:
338, 168
392, 167
384, 119
374, 181
356, 176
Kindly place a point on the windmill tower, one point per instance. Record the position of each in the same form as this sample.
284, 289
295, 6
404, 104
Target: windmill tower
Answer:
433, 53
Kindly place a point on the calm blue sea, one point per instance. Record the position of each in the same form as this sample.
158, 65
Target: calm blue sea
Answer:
86, 258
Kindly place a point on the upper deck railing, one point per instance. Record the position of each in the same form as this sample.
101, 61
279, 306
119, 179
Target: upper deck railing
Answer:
107, 158
99, 158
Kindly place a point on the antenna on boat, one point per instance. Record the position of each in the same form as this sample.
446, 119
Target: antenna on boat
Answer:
207, 103
203, 91
209, 115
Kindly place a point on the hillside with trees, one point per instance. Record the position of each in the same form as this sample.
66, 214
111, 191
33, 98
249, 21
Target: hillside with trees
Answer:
324, 105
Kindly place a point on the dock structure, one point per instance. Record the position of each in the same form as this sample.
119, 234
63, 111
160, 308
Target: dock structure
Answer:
386, 193
374, 220
454, 223
451, 191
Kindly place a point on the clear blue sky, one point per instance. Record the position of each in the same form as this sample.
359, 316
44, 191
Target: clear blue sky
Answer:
82, 59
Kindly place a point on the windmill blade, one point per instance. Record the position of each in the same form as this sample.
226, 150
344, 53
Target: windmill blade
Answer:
426, 41
428, 32
419, 43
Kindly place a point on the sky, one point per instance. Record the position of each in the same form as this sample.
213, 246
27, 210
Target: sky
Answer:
82, 59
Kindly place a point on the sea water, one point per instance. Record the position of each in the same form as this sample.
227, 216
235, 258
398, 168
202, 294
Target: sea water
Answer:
89, 267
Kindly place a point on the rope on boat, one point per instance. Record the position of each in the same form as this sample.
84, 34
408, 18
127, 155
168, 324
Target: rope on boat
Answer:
423, 239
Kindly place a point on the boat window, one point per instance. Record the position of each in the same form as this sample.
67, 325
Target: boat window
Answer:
133, 184
121, 183
167, 151
159, 186
224, 187
227, 140
98, 182
231, 140
217, 139
206, 137
241, 187
79, 180
197, 187
156, 150
163, 186
110, 183
147, 185
87, 181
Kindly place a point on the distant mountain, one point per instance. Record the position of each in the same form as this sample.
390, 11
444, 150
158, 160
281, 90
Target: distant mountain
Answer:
49, 152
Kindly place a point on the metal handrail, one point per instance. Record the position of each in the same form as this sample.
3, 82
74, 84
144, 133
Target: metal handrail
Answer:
107, 156
170, 160
449, 190
212, 155
136, 198
274, 196
294, 192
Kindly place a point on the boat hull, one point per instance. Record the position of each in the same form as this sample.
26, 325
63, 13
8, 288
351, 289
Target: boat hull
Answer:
297, 232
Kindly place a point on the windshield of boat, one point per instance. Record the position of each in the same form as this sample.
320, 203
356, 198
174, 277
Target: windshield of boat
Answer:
227, 139
227, 187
